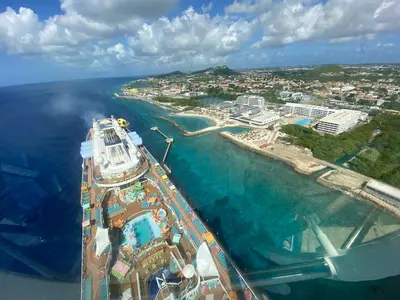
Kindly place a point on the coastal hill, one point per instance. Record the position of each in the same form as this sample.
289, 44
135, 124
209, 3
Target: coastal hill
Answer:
217, 71
325, 69
175, 73
322, 73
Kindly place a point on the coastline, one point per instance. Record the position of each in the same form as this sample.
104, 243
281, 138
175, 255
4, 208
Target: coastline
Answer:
306, 167
352, 186
346, 181
162, 105
341, 179
220, 125
184, 114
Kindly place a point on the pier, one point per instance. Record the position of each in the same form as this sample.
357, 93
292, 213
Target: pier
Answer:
168, 140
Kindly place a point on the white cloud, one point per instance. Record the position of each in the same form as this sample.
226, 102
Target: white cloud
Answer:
352, 38
82, 38
19, 30
251, 7
291, 21
118, 50
385, 45
106, 33
207, 8
118, 11
192, 33
96, 64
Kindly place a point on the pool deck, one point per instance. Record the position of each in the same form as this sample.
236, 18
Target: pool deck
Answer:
143, 261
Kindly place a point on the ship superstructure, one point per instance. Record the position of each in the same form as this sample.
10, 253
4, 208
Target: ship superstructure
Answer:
141, 239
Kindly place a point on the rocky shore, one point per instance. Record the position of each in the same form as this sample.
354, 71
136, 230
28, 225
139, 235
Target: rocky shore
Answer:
339, 178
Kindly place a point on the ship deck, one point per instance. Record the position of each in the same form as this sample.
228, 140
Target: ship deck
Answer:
112, 209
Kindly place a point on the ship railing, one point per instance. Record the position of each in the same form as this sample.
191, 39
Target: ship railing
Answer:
232, 263
82, 243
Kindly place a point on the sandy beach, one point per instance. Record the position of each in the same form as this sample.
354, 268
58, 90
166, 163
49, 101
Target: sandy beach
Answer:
185, 114
219, 123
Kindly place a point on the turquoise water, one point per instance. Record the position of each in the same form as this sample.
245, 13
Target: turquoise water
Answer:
303, 122
144, 232
144, 228
191, 123
249, 201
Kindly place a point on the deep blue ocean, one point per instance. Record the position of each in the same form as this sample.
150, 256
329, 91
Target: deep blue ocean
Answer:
249, 201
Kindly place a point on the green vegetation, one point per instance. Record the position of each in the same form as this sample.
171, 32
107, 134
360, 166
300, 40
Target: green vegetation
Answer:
219, 93
175, 73
328, 69
223, 71
392, 105
336, 73
366, 102
179, 101
201, 71
272, 96
386, 165
328, 147
218, 71
381, 160
236, 89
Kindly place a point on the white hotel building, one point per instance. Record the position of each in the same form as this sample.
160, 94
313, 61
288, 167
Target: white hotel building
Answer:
339, 121
251, 100
308, 110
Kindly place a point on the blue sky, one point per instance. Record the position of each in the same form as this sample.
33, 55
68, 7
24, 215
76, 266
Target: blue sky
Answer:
45, 40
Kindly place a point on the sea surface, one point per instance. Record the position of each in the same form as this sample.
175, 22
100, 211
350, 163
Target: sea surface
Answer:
251, 202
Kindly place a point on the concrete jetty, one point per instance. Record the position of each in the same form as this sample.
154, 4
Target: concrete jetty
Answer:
168, 140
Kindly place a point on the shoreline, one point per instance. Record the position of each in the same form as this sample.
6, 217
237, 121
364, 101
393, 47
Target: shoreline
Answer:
340, 179
185, 114
307, 168
186, 132
162, 105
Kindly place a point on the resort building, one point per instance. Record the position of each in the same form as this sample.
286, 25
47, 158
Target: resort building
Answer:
339, 121
308, 110
260, 119
250, 100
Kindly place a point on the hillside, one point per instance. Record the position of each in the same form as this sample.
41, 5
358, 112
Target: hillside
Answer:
201, 71
175, 73
326, 69
223, 70
220, 70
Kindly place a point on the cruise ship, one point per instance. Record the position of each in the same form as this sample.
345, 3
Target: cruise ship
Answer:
140, 237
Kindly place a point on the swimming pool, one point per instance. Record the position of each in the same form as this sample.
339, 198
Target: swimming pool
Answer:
303, 121
140, 231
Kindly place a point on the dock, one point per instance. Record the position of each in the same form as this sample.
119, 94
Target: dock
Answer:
168, 140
